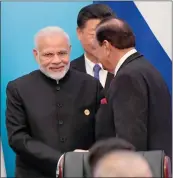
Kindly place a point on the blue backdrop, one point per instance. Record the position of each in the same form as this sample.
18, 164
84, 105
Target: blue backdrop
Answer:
21, 20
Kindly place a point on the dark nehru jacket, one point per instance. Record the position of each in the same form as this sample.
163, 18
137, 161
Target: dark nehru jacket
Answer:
45, 119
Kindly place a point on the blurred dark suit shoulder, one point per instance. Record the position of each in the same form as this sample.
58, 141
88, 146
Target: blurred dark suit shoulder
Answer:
78, 64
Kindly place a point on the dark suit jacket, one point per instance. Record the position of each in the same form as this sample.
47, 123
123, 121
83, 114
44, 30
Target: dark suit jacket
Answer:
139, 107
45, 119
79, 64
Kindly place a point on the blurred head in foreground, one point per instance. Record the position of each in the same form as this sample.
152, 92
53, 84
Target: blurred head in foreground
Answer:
117, 158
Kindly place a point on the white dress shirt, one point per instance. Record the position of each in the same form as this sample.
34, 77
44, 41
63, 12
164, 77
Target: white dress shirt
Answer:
122, 60
89, 69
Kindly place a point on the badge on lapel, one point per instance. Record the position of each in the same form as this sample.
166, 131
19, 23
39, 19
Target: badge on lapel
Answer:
103, 101
86, 112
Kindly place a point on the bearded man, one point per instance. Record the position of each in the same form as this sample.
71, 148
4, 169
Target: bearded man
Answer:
52, 110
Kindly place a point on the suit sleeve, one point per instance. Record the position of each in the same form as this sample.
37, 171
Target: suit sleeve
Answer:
104, 125
32, 150
100, 95
130, 106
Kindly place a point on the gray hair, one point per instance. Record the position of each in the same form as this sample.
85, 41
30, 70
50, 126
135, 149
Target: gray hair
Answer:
49, 31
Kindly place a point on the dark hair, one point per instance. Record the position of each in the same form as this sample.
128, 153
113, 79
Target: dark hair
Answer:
117, 32
104, 147
93, 11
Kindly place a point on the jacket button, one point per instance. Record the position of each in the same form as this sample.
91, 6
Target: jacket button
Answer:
57, 88
60, 122
63, 139
59, 105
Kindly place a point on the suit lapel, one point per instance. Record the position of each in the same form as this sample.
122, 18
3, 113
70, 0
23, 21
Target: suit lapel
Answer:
80, 64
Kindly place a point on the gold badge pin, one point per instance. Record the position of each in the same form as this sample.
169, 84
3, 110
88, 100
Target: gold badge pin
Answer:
87, 112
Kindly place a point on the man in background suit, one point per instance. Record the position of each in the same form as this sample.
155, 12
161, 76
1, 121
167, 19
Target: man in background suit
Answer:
138, 105
52, 110
87, 20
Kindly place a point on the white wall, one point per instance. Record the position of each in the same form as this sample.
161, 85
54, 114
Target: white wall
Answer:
158, 15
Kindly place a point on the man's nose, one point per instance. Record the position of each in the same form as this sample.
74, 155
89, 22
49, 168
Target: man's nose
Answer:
56, 59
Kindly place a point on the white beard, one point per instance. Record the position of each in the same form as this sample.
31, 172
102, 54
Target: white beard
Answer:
55, 75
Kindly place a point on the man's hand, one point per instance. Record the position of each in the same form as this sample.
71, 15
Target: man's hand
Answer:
79, 150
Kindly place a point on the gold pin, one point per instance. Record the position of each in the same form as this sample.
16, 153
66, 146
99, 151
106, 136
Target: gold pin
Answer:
87, 112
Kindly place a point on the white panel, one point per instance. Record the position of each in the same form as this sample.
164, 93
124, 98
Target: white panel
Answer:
158, 16
3, 172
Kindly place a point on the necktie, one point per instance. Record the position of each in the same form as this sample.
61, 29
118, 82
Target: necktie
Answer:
96, 70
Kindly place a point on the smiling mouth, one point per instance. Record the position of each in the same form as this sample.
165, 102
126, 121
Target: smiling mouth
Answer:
56, 68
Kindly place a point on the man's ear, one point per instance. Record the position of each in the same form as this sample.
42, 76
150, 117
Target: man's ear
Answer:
36, 55
79, 33
70, 48
107, 46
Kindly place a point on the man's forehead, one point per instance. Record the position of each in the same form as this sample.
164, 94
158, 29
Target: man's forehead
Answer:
55, 50
52, 38
52, 44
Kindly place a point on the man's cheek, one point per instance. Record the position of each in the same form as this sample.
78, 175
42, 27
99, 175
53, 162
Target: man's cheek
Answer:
45, 63
93, 44
65, 61
98, 53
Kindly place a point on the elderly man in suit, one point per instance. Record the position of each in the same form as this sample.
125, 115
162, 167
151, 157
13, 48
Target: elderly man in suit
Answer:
138, 105
87, 20
52, 110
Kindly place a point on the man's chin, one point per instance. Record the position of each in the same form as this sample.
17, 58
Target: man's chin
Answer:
54, 75
57, 75
109, 70
105, 68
